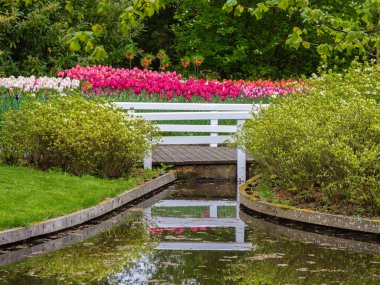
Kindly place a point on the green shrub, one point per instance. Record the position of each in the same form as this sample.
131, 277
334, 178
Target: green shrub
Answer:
360, 80
320, 145
76, 135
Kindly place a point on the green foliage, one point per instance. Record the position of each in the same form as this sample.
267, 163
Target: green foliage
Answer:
323, 143
41, 37
235, 47
239, 41
75, 135
341, 26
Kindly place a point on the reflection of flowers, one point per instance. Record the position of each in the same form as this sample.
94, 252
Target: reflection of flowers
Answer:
180, 230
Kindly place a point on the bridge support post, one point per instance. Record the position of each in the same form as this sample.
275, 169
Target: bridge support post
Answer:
241, 162
148, 159
214, 123
241, 166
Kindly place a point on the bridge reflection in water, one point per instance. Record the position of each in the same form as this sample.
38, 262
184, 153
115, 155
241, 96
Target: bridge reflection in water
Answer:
190, 216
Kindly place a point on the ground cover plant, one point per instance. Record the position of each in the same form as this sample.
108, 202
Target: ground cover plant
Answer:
28, 195
75, 135
321, 150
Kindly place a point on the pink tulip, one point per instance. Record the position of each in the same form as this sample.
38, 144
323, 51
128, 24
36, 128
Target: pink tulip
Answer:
169, 84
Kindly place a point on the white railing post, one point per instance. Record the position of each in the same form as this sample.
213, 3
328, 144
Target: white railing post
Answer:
213, 211
214, 123
148, 161
241, 161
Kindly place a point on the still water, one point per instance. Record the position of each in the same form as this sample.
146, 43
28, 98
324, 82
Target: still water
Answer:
193, 234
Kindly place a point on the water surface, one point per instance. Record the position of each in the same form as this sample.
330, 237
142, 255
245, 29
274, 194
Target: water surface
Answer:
193, 234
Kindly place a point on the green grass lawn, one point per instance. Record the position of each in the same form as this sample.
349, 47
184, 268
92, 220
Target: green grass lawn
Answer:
28, 196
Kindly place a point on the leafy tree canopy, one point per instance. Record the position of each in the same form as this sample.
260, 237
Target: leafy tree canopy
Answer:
350, 26
38, 35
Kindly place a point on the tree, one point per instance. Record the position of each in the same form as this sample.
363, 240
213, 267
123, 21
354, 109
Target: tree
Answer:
232, 47
344, 26
134, 11
41, 36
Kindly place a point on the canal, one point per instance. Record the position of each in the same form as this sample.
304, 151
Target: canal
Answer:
193, 233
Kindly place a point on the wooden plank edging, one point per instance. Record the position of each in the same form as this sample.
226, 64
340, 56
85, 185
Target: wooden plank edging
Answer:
80, 217
308, 216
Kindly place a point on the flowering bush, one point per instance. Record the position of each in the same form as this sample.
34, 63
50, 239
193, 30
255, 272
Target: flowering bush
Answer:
76, 135
360, 80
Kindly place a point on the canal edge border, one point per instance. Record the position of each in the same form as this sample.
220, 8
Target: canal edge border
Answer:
308, 216
82, 216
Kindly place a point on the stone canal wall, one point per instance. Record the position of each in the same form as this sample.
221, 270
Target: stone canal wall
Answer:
80, 217
308, 216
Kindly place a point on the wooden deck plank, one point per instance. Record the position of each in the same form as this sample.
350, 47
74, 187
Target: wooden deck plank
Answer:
221, 153
159, 156
229, 151
177, 153
193, 154
212, 156
168, 155
156, 157
199, 154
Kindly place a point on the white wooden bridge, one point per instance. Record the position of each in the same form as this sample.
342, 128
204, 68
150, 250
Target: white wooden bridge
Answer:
189, 112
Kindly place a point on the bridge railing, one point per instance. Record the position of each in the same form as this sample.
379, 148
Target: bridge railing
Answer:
195, 111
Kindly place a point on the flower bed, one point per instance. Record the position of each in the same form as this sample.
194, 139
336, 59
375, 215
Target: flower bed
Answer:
103, 79
34, 84
119, 84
